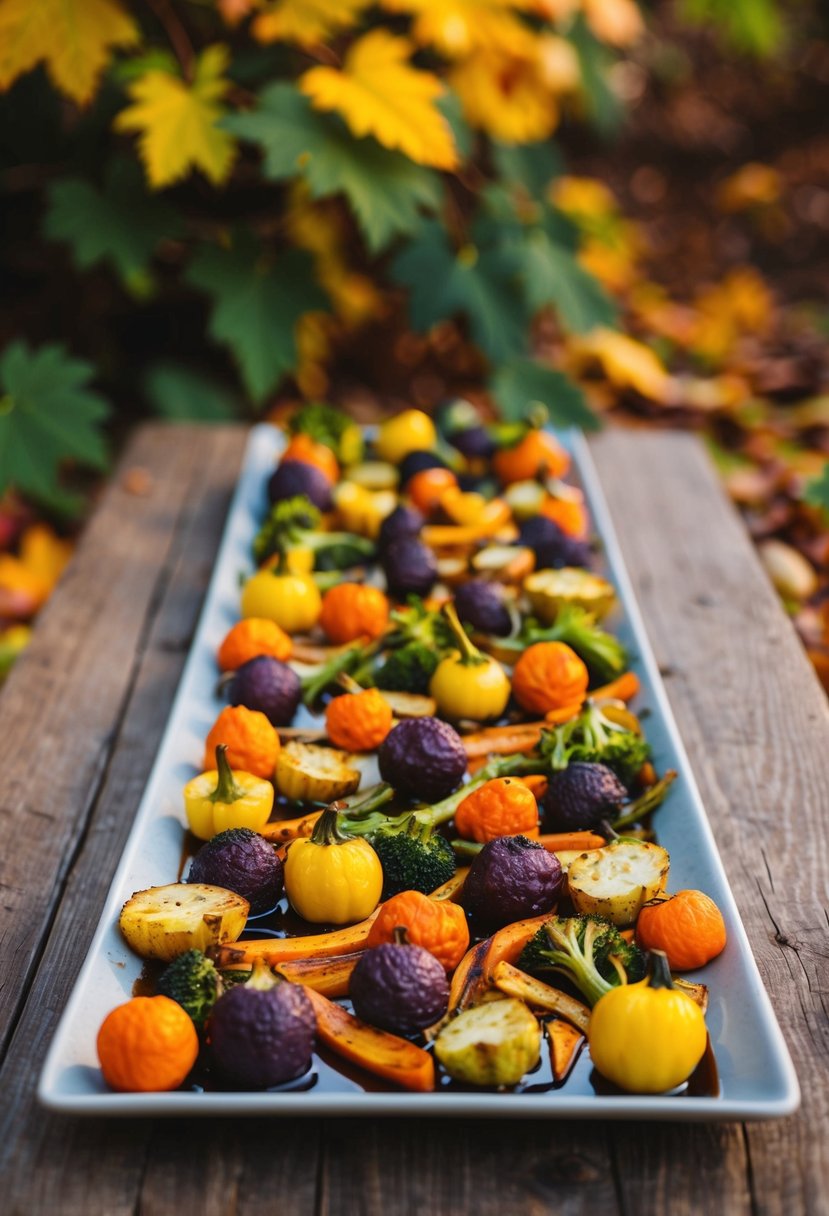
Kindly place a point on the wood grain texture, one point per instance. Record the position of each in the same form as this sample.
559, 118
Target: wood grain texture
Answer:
754, 722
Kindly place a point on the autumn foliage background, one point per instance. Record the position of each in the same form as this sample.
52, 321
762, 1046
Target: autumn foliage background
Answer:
212, 207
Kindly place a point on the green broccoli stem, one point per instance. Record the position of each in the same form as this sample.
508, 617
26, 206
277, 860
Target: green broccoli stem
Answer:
316, 679
645, 803
466, 850
439, 812
576, 961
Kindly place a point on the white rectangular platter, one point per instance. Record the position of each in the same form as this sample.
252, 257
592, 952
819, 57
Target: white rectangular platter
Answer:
756, 1076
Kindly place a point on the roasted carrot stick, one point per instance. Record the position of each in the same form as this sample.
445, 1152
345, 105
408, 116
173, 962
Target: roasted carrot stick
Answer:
565, 1044
540, 995
559, 842
287, 949
624, 688
384, 1054
282, 831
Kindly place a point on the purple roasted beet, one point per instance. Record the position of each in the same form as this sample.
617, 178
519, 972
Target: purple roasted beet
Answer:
422, 758
512, 878
474, 442
409, 567
403, 522
295, 477
553, 548
240, 860
261, 1033
482, 605
399, 987
582, 795
265, 684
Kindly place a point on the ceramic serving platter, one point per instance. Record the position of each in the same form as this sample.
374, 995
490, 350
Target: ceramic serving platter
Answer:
755, 1078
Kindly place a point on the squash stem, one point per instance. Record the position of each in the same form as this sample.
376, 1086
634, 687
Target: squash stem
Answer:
227, 788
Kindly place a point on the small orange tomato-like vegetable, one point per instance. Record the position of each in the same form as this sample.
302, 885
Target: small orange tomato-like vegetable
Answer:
308, 451
501, 807
352, 610
251, 638
538, 453
688, 926
439, 926
426, 488
549, 675
147, 1044
252, 742
358, 721
570, 515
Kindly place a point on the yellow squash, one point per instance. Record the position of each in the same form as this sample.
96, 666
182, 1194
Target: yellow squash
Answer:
220, 799
330, 878
468, 683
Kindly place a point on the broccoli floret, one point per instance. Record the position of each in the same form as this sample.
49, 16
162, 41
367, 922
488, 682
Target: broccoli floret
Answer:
588, 950
417, 623
330, 426
594, 738
408, 669
194, 983
413, 859
294, 523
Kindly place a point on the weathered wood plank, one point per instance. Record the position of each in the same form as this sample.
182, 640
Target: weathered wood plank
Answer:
64, 702
756, 725
49, 1163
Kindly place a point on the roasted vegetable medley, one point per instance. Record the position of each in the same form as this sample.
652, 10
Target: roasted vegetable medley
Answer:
422, 842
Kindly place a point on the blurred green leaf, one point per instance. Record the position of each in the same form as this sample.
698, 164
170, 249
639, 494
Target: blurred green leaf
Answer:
47, 414
817, 490
120, 224
256, 305
182, 395
479, 283
385, 189
450, 107
752, 26
604, 108
532, 166
522, 383
552, 276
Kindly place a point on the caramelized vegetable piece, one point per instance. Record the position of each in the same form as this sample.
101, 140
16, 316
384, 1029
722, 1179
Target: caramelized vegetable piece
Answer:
329, 976
494, 1043
285, 830
565, 1044
283, 949
387, 1056
566, 842
540, 995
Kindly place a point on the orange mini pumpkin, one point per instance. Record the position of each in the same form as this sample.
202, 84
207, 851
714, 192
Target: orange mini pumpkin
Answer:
358, 721
570, 515
688, 926
427, 488
147, 1044
252, 742
538, 454
549, 676
250, 638
502, 807
352, 610
437, 925
309, 451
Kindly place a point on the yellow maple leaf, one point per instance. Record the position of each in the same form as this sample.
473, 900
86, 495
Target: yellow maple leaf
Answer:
507, 95
379, 93
458, 27
176, 122
307, 22
627, 363
73, 38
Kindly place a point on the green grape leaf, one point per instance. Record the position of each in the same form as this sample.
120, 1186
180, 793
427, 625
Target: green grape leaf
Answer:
530, 166
256, 305
181, 395
552, 276
121, 224
479, 283
817, 490
47, 415
385, 189
523, 383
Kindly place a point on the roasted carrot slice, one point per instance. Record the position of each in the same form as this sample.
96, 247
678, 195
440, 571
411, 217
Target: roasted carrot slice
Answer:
452, 888
561, 842
282, 831
507, 943
565, 1044
384, 1054
624, 688
503, 740
330, 976
287, 949
468, 981
540, 995
536, 783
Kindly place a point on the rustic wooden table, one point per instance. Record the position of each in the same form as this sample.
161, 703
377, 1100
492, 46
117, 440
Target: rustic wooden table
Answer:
80, 720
